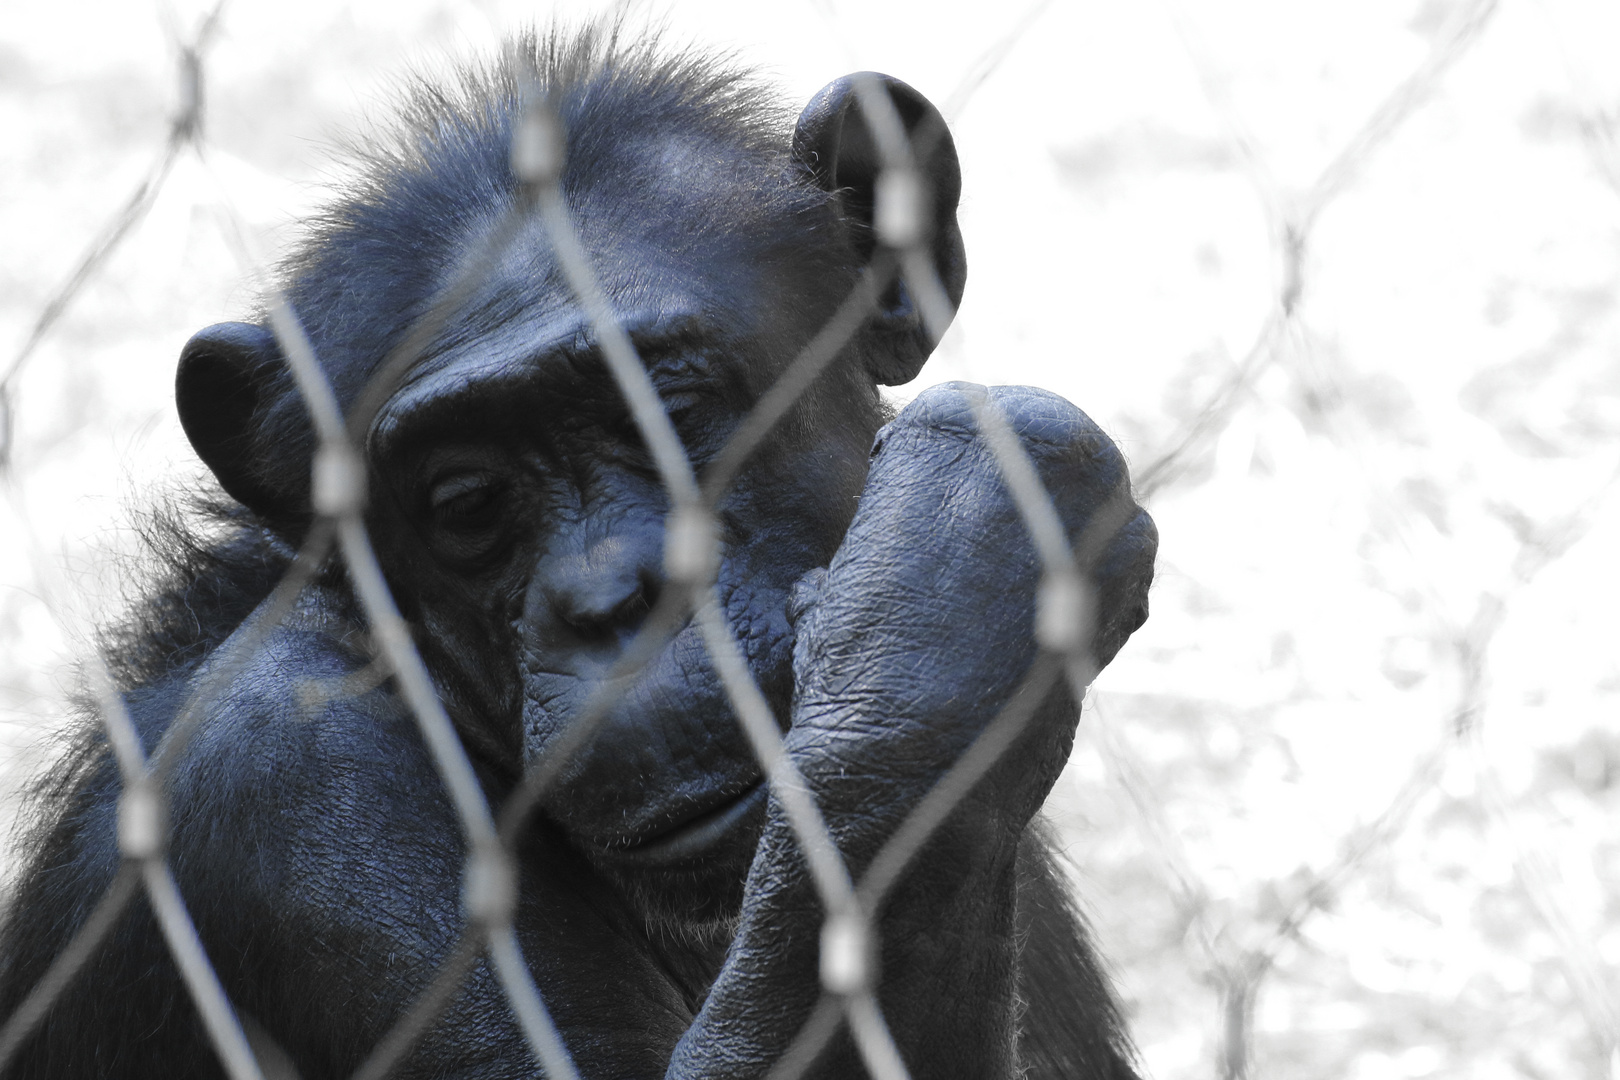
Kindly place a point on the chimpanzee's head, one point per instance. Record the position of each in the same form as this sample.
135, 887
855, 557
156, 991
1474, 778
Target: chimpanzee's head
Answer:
516, 511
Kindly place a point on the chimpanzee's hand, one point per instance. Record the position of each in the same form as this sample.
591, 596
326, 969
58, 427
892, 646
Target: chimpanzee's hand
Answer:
908, 646
923, 625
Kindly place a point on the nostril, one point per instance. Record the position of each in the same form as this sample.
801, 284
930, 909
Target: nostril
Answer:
596, 613
632, 610
598, 593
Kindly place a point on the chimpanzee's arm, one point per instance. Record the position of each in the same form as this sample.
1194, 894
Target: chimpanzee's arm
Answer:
894, 680
323, 863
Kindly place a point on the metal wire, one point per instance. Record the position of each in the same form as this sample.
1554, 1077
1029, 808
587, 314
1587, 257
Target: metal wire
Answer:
422, 1012
692, 552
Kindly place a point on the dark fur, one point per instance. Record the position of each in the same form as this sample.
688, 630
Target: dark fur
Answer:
322, 941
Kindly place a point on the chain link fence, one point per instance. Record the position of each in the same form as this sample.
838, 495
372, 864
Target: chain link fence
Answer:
1344, 806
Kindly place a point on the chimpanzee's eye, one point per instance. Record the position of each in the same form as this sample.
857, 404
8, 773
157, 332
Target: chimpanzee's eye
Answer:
701, 420
467, 514
465, 500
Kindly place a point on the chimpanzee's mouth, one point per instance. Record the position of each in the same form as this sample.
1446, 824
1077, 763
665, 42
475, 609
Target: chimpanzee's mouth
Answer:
698, 834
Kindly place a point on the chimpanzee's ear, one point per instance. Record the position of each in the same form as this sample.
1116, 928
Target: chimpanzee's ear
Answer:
227, 375
834, 142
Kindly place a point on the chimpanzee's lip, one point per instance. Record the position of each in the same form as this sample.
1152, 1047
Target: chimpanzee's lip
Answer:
695, 836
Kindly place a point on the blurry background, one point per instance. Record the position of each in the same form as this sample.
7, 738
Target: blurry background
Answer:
1340, 279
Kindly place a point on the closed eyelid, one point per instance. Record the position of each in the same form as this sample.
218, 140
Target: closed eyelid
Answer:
455, 485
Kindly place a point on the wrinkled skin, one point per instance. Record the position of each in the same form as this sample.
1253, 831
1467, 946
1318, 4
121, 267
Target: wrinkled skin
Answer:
893, 681
874, 570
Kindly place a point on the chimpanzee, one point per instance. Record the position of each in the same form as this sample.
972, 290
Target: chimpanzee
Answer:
873, 568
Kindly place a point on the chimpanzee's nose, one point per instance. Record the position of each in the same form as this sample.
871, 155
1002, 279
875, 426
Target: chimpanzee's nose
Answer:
604, 589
